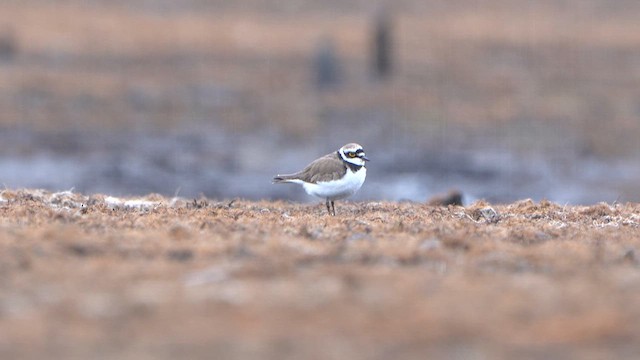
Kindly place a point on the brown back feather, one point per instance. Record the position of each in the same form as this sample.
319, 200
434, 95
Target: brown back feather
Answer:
327, 168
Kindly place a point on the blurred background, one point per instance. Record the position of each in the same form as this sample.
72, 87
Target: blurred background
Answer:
500, 99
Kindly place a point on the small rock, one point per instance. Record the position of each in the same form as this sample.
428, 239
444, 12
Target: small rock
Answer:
489, 214
453, 197
483, 211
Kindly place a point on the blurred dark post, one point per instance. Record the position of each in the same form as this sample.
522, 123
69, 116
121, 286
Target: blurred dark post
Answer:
8, 46
325, 65
382, 47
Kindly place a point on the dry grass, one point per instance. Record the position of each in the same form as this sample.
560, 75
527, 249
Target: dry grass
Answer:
542, 67
92, 276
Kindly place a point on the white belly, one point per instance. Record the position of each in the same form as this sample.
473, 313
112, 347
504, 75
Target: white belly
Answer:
338, 189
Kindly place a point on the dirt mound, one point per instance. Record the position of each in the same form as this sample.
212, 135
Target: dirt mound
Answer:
97, 276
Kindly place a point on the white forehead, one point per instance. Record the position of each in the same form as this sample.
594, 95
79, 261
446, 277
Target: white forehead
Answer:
351, 147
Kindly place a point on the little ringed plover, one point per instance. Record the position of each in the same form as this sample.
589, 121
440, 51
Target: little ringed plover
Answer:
332, 177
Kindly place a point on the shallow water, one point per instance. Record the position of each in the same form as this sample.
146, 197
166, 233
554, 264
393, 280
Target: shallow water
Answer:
219, 165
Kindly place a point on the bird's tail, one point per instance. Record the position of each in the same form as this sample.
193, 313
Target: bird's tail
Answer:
278, 179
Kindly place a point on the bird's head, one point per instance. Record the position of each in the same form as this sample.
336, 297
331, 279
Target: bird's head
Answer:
353, 153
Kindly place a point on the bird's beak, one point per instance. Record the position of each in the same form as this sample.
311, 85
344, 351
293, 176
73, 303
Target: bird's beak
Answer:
363, 157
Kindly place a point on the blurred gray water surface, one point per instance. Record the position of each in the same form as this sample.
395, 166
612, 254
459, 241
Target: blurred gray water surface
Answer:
216, 164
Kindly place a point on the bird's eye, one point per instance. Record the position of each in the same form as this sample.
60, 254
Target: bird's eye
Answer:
352, 155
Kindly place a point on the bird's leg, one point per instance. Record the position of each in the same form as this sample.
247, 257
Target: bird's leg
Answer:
333, 207
328, 207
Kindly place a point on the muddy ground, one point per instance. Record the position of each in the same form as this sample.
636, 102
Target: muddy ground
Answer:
160, 278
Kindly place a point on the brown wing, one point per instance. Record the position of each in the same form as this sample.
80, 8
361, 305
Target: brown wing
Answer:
327, 168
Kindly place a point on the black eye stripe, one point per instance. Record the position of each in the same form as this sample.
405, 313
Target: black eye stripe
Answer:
359, 151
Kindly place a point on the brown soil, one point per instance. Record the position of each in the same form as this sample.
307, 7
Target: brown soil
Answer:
90, 277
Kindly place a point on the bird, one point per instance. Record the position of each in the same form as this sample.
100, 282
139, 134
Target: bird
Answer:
334, 176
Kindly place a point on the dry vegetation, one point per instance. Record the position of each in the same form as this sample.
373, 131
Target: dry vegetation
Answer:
160, 278
568, 65
97, 277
